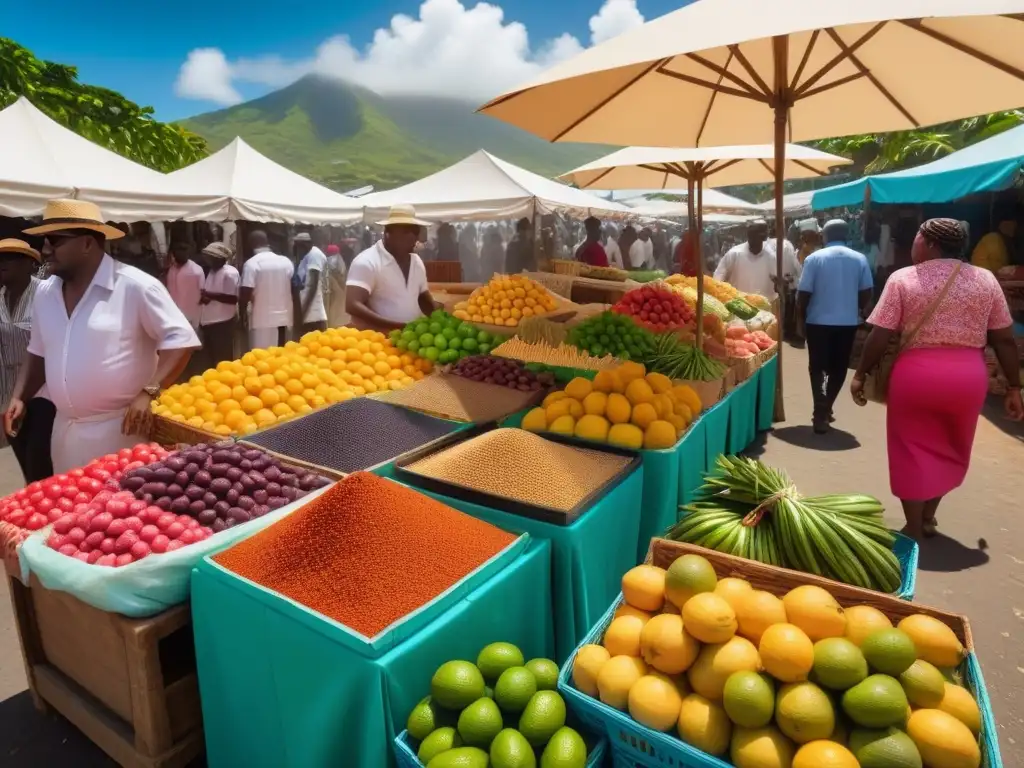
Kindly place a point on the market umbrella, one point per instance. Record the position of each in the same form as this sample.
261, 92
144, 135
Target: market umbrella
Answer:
715, 71
638, 167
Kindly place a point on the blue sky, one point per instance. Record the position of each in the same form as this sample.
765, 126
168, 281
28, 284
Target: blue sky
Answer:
237, 50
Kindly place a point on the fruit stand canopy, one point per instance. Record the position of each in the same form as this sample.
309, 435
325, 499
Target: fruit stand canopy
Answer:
983, 167
483, 187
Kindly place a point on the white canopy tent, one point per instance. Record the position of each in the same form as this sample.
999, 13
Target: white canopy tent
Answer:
483, 187
795, 204
240, 183
714, 202
42, 160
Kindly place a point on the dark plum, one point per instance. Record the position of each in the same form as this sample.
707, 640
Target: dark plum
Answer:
176, 462
239, 515
164, 502
260, 496
164, 475
221, 508
206, 516
174, 490
231, 458
246, 503
273, 489
196, 508
209, 499
194, 492
182, 478
252, 454
234, 474
202, 478
219, 470
245, 465
155, 489
218, 525
180, 505
232, 496
220, 486
275, 502
273, 474
134, 483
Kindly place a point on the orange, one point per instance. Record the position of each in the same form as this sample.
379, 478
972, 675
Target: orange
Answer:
226, 406
270, 398
250, 404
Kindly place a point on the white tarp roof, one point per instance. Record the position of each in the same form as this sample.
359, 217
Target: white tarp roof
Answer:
250, 186
714, 202
484, 187
42, 160
795, 204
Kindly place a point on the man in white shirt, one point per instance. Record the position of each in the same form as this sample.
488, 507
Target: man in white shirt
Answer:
220, 304
611, 246
387, 283
750, 267
185, 281
267, 284
310, 280
641, 252
105, 338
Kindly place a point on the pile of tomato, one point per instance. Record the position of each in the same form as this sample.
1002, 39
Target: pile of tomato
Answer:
38, 504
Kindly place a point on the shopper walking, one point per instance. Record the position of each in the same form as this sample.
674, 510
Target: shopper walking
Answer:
220, 305
309, 283
944, 312
267, 285
835, 287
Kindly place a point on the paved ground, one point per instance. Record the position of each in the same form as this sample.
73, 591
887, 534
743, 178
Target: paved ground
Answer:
974, 568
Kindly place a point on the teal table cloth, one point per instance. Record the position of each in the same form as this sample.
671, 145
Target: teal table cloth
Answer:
743, 414
716, 430
766, 394
692, 461
588, 557
280, 691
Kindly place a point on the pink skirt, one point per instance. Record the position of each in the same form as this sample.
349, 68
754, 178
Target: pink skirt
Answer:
935, 398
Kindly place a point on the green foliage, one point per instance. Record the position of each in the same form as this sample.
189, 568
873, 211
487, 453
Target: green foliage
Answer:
345, 136
99, 114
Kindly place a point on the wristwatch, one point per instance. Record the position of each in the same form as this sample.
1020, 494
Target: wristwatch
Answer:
153, 390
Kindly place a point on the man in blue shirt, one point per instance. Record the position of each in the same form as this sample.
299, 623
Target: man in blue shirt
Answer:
835, 287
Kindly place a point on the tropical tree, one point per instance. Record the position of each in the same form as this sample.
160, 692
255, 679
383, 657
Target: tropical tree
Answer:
99, 114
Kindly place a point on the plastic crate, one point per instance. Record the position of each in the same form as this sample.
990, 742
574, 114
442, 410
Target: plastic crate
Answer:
975, 682
405, 755
907, 552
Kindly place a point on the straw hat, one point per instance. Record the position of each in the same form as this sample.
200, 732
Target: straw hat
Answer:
218, 251
403, 215
61, 215
12, 245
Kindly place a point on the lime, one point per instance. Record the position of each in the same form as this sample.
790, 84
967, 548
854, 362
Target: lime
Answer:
431, 353
413, 346
449, 332
421, 328
511, 750
394, 335
749, 699
565, 750
408, 334
427, 340
437, 742
495, 658
543, 716
483, 337
460, 757
466, 330
441, 342
546, 672
401, 344
456, 684
483, 349
436, 328
423, 719
514, 689
455, 343
480, 722
838, 663
469, 344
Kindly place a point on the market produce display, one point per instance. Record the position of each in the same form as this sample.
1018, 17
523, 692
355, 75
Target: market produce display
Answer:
366, 553
612, 333
762, 681
38, 504
457, 398
269, 385
656, 307
505, 300
646, 275
626, 407
562, 355
502, 371
535, 330
516, 465
605, 273
220, 485
502, 711
721, 291
443, 338
751, 510
677, 359
357, 434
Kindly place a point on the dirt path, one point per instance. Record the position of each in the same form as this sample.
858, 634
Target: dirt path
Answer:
985, 582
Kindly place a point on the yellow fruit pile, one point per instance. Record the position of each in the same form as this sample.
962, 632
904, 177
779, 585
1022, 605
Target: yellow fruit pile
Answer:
624, 406
795, 682
722, 291
506, 300
270, 385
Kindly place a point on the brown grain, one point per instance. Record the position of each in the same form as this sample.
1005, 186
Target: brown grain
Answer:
366, 552
461, 399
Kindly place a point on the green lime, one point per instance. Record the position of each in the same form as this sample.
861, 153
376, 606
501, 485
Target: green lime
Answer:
427, 340
543, 716
456, 684
449, 332
413, 346
514, 689
408, 334
483, 349
565, 750
437, 742
423, 719
838, 663
449, 356
469, 344
546, 672
431, 353
480, 722
421, 328
455, 343
483, 337
495, 658
460, 757
401, 344
749, 699
436, 328
511, 750
394, 334
466, 330
441, 342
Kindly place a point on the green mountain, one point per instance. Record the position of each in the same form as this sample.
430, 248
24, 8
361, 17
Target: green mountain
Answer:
346, 136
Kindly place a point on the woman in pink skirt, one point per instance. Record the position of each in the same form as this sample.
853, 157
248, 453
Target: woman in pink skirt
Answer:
945, 312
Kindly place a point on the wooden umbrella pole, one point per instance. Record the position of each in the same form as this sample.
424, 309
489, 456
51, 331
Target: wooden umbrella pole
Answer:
780, 49
699, 251
691, 226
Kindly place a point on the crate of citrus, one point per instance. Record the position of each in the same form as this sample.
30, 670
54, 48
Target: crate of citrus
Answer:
269, 385
712, 660
506, 300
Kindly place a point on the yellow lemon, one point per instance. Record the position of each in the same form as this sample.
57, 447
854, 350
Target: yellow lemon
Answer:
639, 391
660, 383
618, 409
626, 436
592, 427
595, 403
270, 397
643, 415
226, 406
563, 425
578, 388
250, 404
659, 435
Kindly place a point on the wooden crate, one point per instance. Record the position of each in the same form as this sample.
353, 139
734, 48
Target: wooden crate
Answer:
778, 581
168, 432
130, 685
443, 271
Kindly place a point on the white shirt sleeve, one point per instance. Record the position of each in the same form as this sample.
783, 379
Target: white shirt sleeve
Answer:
35, 339
362, 274
636, 254
421, 276
231, 280
163, 321
249, 274
724, 266
317, 262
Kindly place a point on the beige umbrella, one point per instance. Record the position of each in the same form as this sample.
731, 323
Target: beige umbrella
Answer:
641, 167
715, 71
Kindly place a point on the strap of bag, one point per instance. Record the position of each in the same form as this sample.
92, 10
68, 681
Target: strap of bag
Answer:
909, 338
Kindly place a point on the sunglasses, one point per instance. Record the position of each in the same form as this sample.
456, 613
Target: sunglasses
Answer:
55, 241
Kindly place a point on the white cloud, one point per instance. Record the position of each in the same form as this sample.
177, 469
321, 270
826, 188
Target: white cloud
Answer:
449, 49
614, 18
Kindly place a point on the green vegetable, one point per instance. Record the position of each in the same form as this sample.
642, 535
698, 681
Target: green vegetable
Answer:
679, 360
613, 334
741, 309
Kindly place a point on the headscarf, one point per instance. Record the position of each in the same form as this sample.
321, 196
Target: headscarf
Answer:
946, 235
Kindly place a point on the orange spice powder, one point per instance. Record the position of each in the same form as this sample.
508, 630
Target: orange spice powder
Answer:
366, 552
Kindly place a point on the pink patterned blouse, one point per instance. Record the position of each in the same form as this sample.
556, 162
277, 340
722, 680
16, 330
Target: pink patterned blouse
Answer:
974, 305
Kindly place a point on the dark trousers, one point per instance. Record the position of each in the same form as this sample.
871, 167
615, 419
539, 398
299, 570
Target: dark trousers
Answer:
31, 445
219, 341
828, 349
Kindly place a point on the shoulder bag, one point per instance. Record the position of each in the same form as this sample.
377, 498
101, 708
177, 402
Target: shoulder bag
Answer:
876, 384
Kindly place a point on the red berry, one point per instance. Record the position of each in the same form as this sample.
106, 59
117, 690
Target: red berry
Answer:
174, 545
107, 547
76, 535
148, 533
139, 550
159, 543
94, 556
107, 560
174, 530
68, 549
124, 558
125, 542
83, 556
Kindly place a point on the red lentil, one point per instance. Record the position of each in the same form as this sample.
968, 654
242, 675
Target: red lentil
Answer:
366, 552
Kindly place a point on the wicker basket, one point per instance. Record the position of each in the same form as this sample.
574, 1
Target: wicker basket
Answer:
567, 267
559, 284
743, 367
168, 432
